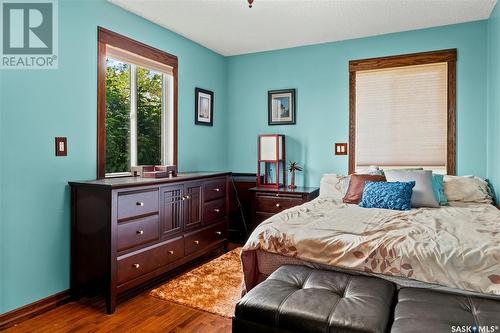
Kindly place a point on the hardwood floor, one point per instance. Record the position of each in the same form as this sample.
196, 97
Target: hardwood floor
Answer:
142, 313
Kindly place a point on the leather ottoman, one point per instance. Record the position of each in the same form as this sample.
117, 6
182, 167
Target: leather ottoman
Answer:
423, 310
300, 299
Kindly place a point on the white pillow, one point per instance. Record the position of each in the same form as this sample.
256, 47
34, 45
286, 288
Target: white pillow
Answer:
423, 195
371, 170
333, 186
466, 189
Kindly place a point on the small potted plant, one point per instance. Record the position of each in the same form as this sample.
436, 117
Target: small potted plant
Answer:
292, 167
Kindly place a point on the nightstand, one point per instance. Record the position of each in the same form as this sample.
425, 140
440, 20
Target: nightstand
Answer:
269, 201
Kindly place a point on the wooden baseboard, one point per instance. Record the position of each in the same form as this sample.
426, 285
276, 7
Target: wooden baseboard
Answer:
33, 309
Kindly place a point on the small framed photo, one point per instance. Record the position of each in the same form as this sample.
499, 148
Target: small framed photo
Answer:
204, 107
281, 107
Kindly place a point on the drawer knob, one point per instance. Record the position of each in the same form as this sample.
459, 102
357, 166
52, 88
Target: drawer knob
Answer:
188, 197
218, 233
278, 205
136, 266
140, 232
139, 203
171, 252
196, 242
216, 210
217, 189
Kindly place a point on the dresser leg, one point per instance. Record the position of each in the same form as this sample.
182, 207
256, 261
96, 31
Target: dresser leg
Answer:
110, 303
75, 294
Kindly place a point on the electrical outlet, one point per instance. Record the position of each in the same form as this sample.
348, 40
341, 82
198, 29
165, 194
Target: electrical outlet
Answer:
61, 146
340, 148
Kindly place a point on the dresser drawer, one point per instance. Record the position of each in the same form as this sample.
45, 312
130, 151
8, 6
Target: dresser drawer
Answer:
135, 265
200, 239
214, 189
133, 204
272, 205
214, 210
260, 217
137, 232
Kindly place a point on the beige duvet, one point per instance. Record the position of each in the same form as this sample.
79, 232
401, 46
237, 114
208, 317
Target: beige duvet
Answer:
457, 246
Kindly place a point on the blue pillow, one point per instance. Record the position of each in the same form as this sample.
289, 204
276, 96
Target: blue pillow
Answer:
388, 195
438, 189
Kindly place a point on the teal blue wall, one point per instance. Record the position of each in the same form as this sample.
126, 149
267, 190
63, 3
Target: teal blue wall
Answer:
494, 99
38, 105
320, 75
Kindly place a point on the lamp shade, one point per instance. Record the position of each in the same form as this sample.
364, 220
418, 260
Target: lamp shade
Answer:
271, 147
271, 164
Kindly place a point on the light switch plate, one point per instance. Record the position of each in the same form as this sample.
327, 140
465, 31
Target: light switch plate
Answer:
340, 148
61, 146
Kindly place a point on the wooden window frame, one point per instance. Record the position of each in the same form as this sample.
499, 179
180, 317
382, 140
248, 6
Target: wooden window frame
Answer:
448, 56
106, 37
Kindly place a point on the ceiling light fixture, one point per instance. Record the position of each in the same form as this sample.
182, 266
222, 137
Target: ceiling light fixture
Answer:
250, 2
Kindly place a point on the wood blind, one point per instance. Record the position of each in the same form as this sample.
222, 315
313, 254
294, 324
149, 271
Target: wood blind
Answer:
401, 116
132, 58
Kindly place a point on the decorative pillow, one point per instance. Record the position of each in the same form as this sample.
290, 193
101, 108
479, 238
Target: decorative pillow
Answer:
408, 169
333, 186
491, 191
438, 188
423, 195
356, 186
370, 170
387, 195
467, 189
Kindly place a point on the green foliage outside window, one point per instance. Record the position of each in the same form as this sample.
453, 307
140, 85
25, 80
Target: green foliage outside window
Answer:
117, 116
149, 114
149, 106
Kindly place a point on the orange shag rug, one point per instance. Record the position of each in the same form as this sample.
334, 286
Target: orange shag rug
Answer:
213, 287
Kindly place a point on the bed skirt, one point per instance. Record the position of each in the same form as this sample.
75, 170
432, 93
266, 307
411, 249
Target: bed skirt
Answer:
258, 265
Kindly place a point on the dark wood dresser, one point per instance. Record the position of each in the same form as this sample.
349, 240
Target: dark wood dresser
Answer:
270, 201
127, 231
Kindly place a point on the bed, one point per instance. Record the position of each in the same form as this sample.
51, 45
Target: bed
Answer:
455, 247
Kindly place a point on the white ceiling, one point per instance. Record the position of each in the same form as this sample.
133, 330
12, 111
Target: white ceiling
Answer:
229, 27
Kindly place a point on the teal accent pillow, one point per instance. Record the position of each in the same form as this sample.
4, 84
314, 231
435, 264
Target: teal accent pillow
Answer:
438, 189
387, 195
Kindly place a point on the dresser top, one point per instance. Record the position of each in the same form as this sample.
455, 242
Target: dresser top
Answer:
120, 182
298, 189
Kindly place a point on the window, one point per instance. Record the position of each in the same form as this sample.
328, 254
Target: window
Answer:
402, 112
136, 111
136, 105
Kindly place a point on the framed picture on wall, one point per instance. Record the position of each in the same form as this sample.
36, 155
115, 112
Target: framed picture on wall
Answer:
281, 107
204, 107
